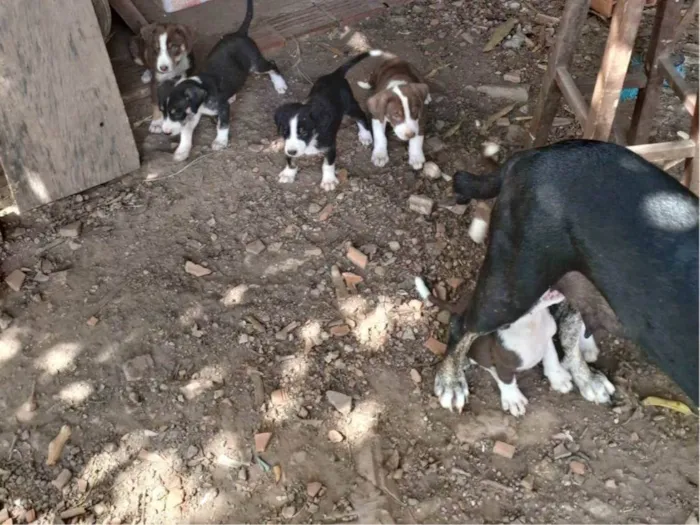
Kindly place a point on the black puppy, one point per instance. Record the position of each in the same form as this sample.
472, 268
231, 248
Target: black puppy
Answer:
311, 128
597, 210
214, 89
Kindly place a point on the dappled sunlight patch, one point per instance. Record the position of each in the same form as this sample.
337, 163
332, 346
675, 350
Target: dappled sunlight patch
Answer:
358, 42
10, 343
108, 353
59, 358
375, 329
362, 421
282, 267
310, 334
190, 315
76, 393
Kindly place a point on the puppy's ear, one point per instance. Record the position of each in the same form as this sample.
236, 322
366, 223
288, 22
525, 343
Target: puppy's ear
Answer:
188, 36
147, 32
196, 95
147, 37
376, 104
280, 118
419, 90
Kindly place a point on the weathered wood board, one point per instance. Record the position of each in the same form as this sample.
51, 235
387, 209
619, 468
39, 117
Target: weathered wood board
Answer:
63, 127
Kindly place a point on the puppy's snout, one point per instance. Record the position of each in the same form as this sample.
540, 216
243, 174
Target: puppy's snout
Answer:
291, 152
410, 134
163, 68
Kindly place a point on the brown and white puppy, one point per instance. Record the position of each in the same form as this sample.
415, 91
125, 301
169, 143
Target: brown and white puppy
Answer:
166, 51
399, 95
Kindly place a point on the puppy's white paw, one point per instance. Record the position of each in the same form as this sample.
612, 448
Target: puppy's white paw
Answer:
281, 88
380, 158
328, 184
181, 154
451, 385
218, 145
365, 137
416, 161
287, 175
560, 380
146, 76
598, 389
156, 126
279, 83
513, 400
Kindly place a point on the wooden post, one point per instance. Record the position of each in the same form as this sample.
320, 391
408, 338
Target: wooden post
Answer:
63, 127
667, 19
611, 76
691, 177
568, 32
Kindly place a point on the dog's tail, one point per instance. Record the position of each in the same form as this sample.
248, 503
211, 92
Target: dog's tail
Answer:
343, 70
245, 26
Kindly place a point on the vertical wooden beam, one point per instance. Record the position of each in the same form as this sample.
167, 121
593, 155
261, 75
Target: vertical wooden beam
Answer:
611, 76
691, 177
568, 32
668, 14
129, 13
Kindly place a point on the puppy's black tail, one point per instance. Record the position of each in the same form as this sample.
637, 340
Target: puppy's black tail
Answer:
480, 187
343, 70
245, 26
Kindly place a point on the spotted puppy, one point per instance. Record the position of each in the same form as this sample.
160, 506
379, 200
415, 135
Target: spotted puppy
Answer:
399, 95
211, 92
523, 345
166, 52
311, 127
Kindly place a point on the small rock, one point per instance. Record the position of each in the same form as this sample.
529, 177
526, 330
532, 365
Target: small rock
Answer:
335, 437
513, 77
577, 468
431, 171
99, 509
340, 330
82, 486
243, 475
135, 369
62, 479
528, 483
421, 204
503, 449
514, 94
4, 515
560, 452
408, 335
340, 401
434, 144
681, 134
196, 269
256, 148
342, 175
261, 441
562, 121
692, 519
93, 321
289, 512
413, 502
279, 397
15, 280
192, 451
314, 208
325, 212
394, 246
313, 488
70, 230
444, 317
357, 257
235, 296
72, 513
454, 282
415, 376
30, 516
303, 413
610, 484
256, 247
436, 346
5, 321
467, 37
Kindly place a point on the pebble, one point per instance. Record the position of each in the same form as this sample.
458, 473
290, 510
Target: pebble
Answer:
70, 230
421, 204
412, 502
415, 376
261, 441
279, 397
341, 402
256, 247
30, 516
444, 317
289, 512
512, 93
335, 437
577, 468
503, 449
303, 413
243, 475
432, 171
5, 321
196, 269
340, 330
610, 484
72, 513
513, 77
435, 346
394, 246
15, 280
192, 451
314, 208
358, 258
256, 148
135, 369
62, 479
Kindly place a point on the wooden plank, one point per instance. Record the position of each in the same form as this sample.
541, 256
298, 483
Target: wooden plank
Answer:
568, 32
682, 26
677, 149
604, 7
691, 174
572, 95
634, 79
680, 87
611, 76
129, 13
668, 13
63, 127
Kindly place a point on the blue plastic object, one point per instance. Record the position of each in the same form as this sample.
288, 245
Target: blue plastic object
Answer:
631, 93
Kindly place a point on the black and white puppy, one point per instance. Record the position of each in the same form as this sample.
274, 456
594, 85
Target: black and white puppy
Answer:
213, 90
311, 127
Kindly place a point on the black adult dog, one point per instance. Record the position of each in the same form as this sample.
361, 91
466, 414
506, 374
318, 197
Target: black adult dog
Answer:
595, 209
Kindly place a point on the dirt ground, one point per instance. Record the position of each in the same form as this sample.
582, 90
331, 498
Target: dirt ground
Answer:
165, 378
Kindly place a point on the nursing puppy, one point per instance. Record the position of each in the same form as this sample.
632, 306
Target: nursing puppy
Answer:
166, 52
603, 226
212, 91
523, 345
311, 127
398, 98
